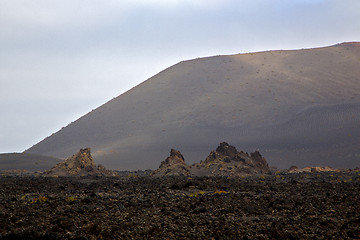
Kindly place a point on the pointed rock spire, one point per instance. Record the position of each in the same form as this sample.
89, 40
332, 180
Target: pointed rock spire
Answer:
79, 164
174, 165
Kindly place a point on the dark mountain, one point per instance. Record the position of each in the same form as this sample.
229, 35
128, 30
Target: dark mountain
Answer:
298, 107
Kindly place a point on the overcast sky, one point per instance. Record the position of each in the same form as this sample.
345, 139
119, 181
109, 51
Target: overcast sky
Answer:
59, 59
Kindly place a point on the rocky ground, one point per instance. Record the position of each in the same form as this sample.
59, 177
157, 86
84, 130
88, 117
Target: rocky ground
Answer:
282, 206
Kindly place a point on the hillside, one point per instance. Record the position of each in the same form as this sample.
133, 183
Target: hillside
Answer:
30, 162
298, 107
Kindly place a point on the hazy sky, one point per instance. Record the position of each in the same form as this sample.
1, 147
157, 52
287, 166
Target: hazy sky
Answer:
60, 59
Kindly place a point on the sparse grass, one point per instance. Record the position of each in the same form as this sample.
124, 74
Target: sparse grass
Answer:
71, 199
196, 194
220, 192
39, 199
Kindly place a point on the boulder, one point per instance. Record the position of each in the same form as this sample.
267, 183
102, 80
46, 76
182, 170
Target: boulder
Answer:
293, 169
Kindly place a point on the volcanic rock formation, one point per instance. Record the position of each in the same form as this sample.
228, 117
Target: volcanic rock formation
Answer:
80, 164
174, 165
227, 161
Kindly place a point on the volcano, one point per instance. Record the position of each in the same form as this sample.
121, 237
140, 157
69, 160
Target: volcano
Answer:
298, 107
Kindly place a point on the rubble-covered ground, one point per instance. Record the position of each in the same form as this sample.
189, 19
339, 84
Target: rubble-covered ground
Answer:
290, 206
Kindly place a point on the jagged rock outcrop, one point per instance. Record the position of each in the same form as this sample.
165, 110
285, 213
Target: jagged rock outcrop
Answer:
227, 161
80, 164
174, 165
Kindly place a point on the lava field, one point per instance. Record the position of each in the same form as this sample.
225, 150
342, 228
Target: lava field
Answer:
280, 206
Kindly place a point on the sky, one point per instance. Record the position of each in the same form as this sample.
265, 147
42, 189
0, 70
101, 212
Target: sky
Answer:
60, 59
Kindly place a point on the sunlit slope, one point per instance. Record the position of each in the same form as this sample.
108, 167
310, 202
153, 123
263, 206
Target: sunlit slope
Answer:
298, 107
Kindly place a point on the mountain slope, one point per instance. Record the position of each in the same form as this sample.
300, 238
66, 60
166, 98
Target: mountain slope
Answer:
30, 162
298, 107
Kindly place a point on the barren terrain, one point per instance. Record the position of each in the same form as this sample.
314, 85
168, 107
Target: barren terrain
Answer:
280, 206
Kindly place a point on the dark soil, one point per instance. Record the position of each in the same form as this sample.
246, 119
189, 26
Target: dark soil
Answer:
292, 206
